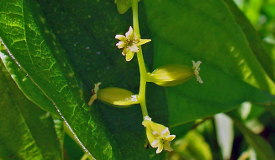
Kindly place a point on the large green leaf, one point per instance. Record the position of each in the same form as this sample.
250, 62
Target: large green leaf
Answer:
26, 131
254, 40
83, 33
24, 82
36, 50
264, 57
4, 152
206, 31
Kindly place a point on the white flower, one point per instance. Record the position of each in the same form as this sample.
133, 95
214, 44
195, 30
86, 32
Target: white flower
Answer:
158, 135
196, 70
130, 42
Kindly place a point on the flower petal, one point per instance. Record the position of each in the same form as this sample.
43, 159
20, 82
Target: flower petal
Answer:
196, 70
151, 138
130, 33
125, 51
129, 55
167, 147
134, 48
152, 126
196, 67
120, 37
170, 138
155, 133
143, 41
155, 143
165, 132
160, 148
199, 79
120, 44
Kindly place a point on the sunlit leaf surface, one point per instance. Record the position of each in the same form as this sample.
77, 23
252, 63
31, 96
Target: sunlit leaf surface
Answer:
26, 131
205, 31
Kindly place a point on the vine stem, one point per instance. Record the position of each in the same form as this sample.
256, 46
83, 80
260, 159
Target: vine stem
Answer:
142, 69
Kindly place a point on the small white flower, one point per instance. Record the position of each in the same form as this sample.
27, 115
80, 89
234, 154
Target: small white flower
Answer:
196, 70
130, 43
158, 135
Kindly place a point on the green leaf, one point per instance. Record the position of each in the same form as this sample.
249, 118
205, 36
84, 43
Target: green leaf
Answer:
254, 40
250, 111
82, 32
262, 147
264, 57
183, 129
123, 5
5, 153
36, 50
206, 31
58, 125
26, 131
71, 148
269, 10
193, 146
26, 85
207, 129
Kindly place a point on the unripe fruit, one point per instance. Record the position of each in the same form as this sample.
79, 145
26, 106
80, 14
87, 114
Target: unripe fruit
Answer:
117, 97
171, 75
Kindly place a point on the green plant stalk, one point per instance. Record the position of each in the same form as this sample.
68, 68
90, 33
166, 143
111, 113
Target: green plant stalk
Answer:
142, 69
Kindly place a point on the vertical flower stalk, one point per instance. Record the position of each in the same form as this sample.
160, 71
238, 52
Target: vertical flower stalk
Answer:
142, 69
157, 134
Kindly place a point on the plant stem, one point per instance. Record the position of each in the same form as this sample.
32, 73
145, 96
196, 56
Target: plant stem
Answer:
142, 69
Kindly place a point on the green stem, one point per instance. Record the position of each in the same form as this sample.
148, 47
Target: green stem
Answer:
142, 69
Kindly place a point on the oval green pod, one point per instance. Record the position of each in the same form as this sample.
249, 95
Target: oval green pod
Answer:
118, 97
174, 74
170, 75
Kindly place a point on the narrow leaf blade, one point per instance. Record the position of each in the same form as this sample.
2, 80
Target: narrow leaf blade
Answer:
26, 131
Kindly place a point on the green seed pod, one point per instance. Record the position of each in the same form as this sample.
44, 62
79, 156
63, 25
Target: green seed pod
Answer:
117, 97
174, 74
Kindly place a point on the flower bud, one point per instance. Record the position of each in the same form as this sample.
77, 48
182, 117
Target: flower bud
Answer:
174, 74
117, 97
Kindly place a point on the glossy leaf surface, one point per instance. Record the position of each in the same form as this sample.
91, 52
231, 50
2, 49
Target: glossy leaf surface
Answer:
206, 31
37, 53
78, 42
26, 131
